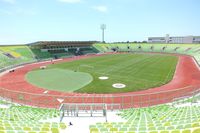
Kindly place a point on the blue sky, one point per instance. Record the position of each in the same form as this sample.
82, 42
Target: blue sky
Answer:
25, 21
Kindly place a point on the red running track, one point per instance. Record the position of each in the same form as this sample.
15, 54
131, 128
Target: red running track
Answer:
186, 80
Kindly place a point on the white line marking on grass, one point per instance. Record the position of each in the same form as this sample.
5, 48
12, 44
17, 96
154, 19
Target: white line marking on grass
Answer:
127, 79
175, 73
119, 85
170, 71
167, 76
103, 78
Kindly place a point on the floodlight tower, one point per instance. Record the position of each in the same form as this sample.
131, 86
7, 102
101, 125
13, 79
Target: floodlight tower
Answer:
103, 27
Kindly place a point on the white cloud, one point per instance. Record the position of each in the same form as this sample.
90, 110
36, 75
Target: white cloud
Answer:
9, 1
70, 1
101, 8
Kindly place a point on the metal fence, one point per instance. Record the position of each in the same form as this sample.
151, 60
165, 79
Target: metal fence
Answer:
125, 100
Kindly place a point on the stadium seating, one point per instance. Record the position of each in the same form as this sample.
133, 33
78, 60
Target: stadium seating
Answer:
41, 55
62, 53
12, 55
17, 51
158, 119
188, 49
89, 50
23, 119
180, 116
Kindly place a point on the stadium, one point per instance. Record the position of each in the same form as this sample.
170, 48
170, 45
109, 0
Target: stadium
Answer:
99, 66
153, 87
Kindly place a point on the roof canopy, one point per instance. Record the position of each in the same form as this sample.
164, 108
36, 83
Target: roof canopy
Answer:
62, 43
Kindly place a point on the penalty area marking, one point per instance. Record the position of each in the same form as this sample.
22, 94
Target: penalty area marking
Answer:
119, 85
103, 78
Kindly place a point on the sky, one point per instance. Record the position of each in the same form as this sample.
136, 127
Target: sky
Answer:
27, 21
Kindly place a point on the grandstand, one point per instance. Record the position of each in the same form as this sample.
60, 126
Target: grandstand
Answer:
188, 49
22, 119
176, 117
180, 116
57, 49
20, 54
12, 55
157, 119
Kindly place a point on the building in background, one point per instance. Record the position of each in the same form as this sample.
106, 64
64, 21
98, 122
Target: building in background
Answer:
177, 39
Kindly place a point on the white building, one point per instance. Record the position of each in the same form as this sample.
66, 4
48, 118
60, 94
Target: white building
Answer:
177, 39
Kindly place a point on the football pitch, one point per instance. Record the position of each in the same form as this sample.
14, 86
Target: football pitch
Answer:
135, 71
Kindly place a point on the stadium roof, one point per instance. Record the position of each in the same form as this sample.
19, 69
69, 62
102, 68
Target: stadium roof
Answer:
74, 43
61, 42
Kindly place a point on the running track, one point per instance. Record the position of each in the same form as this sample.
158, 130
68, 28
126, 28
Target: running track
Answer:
186, 80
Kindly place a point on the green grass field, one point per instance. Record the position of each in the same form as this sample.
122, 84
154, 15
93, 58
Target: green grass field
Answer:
50, 78
136, 71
